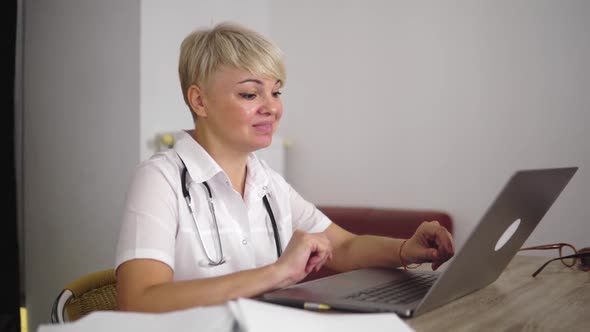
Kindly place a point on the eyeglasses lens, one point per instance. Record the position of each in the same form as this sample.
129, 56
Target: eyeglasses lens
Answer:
566, 250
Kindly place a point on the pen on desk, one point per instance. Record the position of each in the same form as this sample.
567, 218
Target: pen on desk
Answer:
315, 306
301, 304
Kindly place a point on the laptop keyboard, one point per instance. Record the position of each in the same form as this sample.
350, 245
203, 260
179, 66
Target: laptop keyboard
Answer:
406, 291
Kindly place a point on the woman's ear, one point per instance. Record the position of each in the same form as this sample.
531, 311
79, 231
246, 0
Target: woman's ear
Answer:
195, 99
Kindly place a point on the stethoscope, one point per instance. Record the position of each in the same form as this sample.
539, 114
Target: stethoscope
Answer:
221, 259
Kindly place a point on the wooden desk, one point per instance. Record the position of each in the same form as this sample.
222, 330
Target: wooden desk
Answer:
558, 299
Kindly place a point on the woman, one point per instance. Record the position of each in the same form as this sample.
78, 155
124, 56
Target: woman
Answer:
207, 222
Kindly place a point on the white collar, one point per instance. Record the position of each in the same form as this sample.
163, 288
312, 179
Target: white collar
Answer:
202, 167
199, 164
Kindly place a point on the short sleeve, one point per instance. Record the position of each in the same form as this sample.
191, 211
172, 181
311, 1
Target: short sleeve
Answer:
150, 218
306, 216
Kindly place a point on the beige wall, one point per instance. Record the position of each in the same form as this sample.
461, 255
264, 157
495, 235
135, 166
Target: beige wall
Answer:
80, 139
434, 104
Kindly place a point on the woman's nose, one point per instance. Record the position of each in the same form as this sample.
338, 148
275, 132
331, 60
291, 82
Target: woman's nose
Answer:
272, 105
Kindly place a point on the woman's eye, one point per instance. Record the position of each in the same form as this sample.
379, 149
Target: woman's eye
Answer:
248, 96
277, 94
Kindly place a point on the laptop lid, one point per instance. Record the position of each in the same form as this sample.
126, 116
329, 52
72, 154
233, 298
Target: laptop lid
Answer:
519, 207
501, 232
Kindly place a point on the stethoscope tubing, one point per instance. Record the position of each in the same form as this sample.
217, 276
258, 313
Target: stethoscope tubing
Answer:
274, 226
187, 197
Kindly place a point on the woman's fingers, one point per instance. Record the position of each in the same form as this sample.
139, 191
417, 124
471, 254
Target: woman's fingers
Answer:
430, 243
322, 253
304, 253
445, 243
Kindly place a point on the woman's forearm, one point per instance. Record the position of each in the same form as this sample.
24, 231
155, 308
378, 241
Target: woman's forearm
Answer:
366, 251
178, 295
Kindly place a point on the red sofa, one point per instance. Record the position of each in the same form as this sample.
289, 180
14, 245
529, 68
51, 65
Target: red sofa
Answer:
397, 223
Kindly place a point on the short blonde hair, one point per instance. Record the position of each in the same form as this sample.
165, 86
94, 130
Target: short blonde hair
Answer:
204, 51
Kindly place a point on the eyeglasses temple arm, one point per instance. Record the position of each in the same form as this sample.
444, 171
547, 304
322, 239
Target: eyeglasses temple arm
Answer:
584, 254
543, 266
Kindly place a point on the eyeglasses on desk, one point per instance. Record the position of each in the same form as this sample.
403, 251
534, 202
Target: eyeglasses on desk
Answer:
568, 255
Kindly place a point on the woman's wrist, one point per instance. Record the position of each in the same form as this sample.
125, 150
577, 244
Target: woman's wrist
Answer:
279, 275
405, 262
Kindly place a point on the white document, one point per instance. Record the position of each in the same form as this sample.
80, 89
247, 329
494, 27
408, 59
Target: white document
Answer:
256, 316
214, 318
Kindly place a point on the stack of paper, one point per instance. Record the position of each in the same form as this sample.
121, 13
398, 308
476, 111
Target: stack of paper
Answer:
241, 315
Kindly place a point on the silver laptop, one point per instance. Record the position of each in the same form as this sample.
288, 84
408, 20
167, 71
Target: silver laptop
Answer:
519, 207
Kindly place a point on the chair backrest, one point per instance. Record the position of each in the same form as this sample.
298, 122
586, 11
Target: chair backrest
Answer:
92, 292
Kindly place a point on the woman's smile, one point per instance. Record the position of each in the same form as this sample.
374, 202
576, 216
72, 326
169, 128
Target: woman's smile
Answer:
264, 127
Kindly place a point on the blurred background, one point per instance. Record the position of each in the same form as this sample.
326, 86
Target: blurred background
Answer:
402, 104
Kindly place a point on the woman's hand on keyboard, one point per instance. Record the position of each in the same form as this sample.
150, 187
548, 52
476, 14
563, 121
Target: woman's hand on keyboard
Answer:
430, 243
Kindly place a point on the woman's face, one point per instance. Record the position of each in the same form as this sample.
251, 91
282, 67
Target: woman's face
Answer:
243, 110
